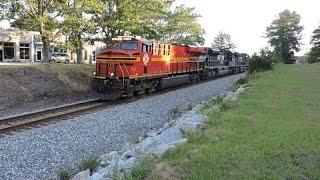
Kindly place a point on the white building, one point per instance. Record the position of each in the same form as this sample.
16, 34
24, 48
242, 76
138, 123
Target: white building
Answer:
16, 45
25, 46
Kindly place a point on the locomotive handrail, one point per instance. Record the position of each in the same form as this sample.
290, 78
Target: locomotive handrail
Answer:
122, 73
126, 68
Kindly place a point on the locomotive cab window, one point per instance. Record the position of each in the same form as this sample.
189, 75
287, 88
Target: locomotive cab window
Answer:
129, 45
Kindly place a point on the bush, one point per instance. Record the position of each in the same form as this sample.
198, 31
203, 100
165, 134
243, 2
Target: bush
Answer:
314, 55
261, 62
92, 164
64, 175
175, 112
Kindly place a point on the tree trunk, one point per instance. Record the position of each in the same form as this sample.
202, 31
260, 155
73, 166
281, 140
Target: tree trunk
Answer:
45, 42
46, 50
79, 54
79, 49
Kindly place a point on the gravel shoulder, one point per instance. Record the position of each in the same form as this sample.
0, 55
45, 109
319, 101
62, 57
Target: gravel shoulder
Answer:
41, 153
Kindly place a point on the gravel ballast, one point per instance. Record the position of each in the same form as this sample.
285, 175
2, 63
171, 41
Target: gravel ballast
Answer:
41, 153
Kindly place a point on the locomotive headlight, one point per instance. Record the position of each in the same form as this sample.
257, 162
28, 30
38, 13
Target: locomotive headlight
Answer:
111, 74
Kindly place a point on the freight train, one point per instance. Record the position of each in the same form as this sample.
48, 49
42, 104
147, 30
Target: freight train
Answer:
136, 66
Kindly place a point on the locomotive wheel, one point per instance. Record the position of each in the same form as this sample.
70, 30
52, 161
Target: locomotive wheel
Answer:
216, 73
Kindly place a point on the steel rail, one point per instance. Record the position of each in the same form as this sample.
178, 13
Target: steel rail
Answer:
12, 124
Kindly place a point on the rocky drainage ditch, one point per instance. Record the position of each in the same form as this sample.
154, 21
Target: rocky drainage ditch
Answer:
154, 144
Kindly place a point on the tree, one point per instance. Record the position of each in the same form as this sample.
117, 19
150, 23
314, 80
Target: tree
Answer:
34, 15
314, 54
77, 23
152, 19
262, 61
284, 35
181, 27
223, 41
127, 17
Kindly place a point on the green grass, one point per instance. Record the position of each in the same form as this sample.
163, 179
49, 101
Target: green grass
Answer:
64, 175
142, 169
271, 132
91, 163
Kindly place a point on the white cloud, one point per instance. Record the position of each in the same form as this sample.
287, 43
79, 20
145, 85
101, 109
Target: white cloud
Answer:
246, 20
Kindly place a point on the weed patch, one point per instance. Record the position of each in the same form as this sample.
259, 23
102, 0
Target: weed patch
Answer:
91, 163
64, 175
175, 112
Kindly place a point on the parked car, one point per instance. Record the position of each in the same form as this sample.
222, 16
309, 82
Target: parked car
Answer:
60, 58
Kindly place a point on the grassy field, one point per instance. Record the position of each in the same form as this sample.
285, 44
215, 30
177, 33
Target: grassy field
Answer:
270, 132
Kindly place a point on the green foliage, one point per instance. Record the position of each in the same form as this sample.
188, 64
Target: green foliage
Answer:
89, 20
314, 55
152, 19
271, 134
34, 15
261, 62
223, 41
142, 169
241, 81
190, 106
91, 163
64, 175
285, 34
175, 112
76, 23
315, 40
129, 17
181, 27
216, 101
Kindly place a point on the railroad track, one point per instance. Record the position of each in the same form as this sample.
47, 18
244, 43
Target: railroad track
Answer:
41, 118
26, 121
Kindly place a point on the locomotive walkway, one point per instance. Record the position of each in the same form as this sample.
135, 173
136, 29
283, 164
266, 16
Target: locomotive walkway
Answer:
41, 153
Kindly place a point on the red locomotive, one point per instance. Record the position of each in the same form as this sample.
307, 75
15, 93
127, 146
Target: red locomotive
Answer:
137, 66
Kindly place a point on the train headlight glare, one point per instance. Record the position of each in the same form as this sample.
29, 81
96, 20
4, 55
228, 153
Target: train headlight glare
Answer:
111, 74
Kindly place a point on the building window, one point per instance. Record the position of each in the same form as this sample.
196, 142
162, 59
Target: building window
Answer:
24, 51
93, 55
39, 55
8, 51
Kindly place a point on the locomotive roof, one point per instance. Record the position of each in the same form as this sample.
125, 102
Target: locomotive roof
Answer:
131, 38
